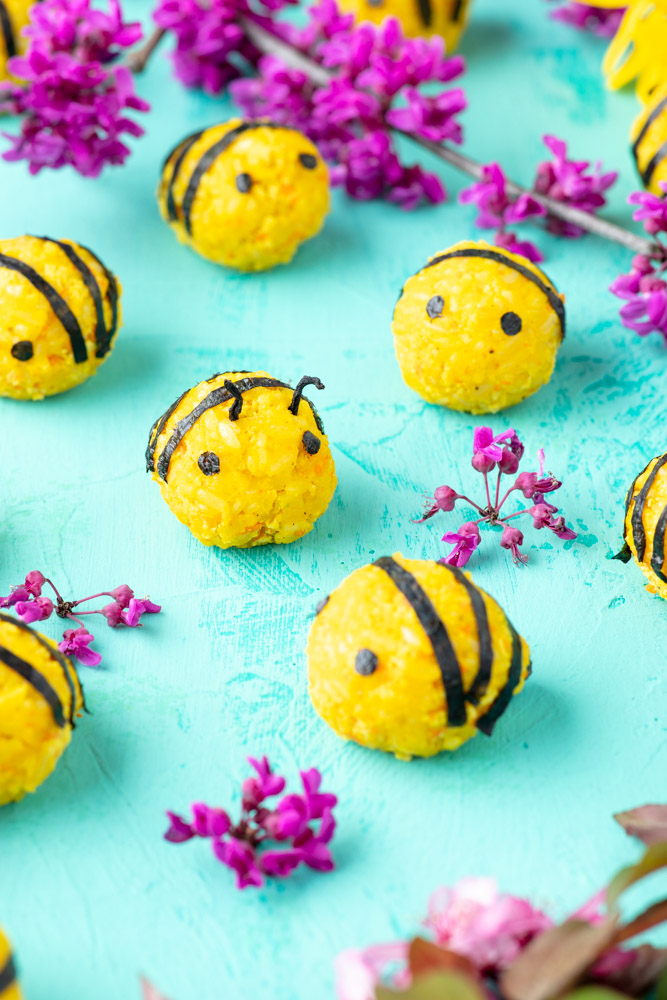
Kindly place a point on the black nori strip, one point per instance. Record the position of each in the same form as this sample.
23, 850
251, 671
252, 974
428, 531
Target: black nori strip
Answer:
625, 555
657, 110
215, 398
237, 405
7, 974
653, 164
22, 350
56, 655
554, 300
321, 605
208, 159
90, 281
481, 682
157, 429
510, 324
436, 632
366, 662
182, 149
456, 13
311, 443
55, 300
487, 722
638, 533
111, 295
298, 392
658, 554
308, 161
7, 31
425, 12
37, 680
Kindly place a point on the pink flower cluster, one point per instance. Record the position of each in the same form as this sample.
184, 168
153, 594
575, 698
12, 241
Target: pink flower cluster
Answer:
643, 289
32, 606
376, 76
73, 103
564, 180
303, 825
504, 452
603, 21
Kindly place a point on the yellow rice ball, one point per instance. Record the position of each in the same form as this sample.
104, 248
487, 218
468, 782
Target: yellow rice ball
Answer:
13, 17
245, 194
60, 309
40, 695
478, 328
409, 656
447, 18
9, 987
645, 524
649, 141
242, 459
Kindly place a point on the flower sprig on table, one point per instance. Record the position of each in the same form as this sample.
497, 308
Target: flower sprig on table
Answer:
267, 840
603, 21
644, 289
31, 605
504, 453
484, 943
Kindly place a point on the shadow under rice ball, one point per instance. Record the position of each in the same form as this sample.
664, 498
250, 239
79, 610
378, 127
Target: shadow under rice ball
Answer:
649, 142
423, 18
13, 18
645, 524
245, 194
59, 315
409, 656
242, 459
9, 987
40, 696
478, 328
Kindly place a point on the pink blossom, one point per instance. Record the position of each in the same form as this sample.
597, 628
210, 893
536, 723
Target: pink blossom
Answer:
359, 971
614, 960
603, 21
113, 613
240, 857
569, 182
487, 449
465, 541
76, 643
265, 785
34, 611
135, 609
652, 209
509, 241
16, 594
34, 582
496, 206
511, 539
431, 117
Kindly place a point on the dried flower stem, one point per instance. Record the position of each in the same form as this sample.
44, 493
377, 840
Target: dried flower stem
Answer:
138, 59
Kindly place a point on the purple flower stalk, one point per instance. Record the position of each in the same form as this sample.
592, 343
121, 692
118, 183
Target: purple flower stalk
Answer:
267, 840
504, 453
571, 182
644, 289
497, 209
32, 606
603, 21
73, 102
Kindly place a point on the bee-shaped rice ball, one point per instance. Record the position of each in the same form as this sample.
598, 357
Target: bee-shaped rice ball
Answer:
409, 656
13, 17
40, 695
649, 142
478, 328
242, 460
9, 987
245, 194
59, 314
645, 524
446, 18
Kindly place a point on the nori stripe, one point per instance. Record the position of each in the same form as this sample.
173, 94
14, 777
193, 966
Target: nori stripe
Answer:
481, 682
209, 157
90, 281
8, 971
647, 173
658, 554
37, 680
7, 31
625, 555
487, 722
215, 398
182, 150
55, 300
157, 429
656, 111
112, 297
554, 300
437, 634
56, 655
638, 533
456, 13
425, 12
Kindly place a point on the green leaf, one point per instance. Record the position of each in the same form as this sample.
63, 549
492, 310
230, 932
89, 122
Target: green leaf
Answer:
435, 986
653, 859
424, 956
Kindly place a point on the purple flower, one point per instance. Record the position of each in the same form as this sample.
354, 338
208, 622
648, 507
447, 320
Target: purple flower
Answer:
207, 822
646, 298
465, 541
569, 182
136, 608
179, 830
279, 864
34, 611
444, 498
652, 210
542, 515
430, 117
34, 582
496, 207
113, 613
122, 595
16, 594
76, 642
603, 21
511, 539
508, 241
487, 449
265, 785
240, 857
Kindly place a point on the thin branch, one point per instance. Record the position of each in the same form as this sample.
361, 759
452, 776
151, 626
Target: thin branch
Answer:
271, 44
137, 60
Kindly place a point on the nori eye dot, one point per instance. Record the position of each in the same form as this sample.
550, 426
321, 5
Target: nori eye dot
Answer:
40, 696
478, 328
649, 142
418, 17
245, 194
242, 459
60, 309
645, 524
13, 18
9, 987
409, 656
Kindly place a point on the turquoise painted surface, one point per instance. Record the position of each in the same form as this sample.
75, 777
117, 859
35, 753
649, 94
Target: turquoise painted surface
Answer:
88, 890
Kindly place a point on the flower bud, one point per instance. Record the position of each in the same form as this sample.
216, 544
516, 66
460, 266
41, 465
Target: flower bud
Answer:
511, 537
482, 463
526, 482
509, 463
445, 498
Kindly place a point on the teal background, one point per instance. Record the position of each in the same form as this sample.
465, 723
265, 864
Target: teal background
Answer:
89, 892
